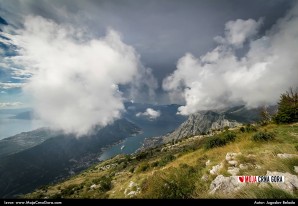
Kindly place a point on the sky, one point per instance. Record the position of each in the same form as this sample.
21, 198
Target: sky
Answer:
68, 58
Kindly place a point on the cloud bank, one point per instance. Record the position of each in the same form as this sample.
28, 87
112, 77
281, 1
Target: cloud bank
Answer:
150, 113
75, 79
220, 78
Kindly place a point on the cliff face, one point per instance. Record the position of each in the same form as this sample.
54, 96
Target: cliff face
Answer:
202, 122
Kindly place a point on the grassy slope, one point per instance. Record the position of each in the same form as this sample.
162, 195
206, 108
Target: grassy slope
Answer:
175, 171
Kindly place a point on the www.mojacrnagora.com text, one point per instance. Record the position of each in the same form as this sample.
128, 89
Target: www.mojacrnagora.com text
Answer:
32, 202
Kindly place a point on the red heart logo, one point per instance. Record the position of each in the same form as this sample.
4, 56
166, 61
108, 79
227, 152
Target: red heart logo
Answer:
241, 178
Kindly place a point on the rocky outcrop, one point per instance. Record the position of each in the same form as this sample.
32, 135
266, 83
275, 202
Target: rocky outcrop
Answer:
225, 185
132, 190
200, 123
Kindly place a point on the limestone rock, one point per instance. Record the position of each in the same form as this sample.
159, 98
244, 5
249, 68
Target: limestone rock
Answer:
207, 163
251, 156
243, 166
225, 185
232, 156
204, 178
198, 123
233, 163
285, 156
233, 170
215, 169
296, 169
132, 190
93, 186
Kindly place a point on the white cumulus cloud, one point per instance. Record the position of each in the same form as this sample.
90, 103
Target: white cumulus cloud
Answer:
237, 32
74, 79
10, 85
220, 78
9, 104
150, 113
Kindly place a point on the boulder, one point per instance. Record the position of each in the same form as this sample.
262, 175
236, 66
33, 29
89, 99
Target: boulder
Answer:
225, 185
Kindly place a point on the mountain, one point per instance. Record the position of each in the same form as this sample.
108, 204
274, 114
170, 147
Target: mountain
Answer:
57, 157
206, 122
24, 140
202, 122
247, 115
2, 21
194, 168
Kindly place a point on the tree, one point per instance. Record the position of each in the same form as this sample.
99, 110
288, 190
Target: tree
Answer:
287, 107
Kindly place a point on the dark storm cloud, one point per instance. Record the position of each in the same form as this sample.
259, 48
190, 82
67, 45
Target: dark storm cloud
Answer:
218, 44
161, 31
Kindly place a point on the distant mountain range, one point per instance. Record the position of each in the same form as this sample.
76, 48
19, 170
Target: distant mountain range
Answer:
24, 140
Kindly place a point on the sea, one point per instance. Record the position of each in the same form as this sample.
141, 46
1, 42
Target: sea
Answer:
10, 126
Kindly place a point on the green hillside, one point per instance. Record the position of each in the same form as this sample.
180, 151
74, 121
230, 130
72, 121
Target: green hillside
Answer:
183, 170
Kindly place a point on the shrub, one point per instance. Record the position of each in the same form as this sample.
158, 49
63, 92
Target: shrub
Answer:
56, 196
250, 128
296, 147
142, 167
214, 141
263, 136
68, 190
132, 169
154, 164
105, 184
141, 156
229, 137
166, 159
